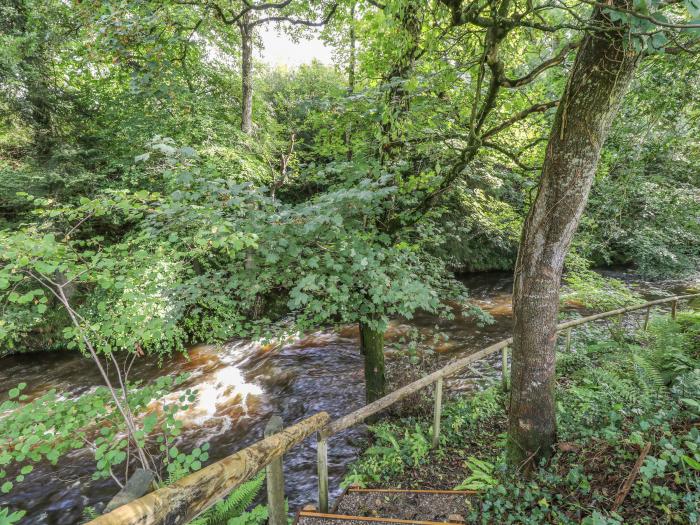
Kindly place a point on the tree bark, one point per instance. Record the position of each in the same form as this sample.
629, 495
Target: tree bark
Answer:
351, 77
246, 75
398, 97
372, 348
601, 74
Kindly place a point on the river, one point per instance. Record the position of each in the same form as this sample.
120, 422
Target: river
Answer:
240, 386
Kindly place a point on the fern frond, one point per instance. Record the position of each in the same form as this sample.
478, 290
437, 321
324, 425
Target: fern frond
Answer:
648, 373
236, 503
234, 506
257, 516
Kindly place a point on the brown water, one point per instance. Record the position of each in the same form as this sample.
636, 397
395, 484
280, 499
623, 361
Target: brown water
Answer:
240, 386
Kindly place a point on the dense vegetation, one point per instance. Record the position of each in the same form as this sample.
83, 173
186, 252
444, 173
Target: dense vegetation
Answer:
615, 395
158, 188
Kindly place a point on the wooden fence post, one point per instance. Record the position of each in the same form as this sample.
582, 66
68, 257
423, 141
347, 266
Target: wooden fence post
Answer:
674, 307
646, 317
275, 479
504, 369
437, 412
322, 469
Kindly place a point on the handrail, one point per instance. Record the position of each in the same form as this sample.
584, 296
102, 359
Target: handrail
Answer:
185, 499
612, 313
438, 376
367, 411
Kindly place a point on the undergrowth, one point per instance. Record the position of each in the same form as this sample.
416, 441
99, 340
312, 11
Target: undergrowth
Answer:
233, 510
613, 397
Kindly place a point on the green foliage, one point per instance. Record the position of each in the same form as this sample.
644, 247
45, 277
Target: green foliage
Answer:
467, 412
390, 453
611, 400
51, 426
7, 518
233, 510
592, 290
89, 514
396, 447
480, 475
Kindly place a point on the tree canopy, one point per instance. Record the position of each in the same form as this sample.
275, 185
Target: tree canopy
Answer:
157, 189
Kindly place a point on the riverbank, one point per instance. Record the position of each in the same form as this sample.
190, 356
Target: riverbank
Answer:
629, 442
240, 385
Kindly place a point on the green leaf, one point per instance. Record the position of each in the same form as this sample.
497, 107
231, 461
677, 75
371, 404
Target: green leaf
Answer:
691, 462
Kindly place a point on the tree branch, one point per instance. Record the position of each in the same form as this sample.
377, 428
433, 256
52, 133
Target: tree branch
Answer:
513, 157
537, 108
547, 64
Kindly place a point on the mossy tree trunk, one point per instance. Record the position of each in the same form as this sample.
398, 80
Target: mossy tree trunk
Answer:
372, 348
246, 28
600, 76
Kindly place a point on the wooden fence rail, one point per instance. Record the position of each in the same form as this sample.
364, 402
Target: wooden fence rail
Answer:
184, 500
438, 377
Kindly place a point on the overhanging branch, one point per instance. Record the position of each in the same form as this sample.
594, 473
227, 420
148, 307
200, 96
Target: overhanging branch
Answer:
537, 108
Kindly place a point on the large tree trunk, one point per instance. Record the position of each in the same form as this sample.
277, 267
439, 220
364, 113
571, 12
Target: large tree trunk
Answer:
601, 74
246, 75
372, 348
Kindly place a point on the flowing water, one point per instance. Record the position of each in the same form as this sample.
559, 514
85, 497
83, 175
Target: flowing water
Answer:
239, 387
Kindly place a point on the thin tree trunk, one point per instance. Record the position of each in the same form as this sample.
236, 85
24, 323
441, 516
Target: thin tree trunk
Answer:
601, 74
372, 348
398, 97
246, 75
351, 77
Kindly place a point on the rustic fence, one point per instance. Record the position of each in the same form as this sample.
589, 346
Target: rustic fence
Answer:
184, 500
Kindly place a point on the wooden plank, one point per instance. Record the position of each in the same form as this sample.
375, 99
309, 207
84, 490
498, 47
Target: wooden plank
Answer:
418, 491
345, 517
186, 499
504, 369
646, 317
277, 514
437, 413
322, 469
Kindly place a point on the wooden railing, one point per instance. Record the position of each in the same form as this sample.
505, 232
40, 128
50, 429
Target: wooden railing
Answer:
184, 500
438, 377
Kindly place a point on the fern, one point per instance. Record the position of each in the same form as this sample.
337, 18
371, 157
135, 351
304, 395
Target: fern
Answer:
89, 514
234, 506
648, 373
255, 517
481, 476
